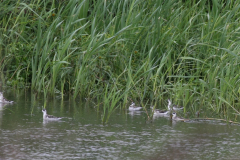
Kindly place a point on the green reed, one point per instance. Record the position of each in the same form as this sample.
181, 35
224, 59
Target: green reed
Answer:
182, 50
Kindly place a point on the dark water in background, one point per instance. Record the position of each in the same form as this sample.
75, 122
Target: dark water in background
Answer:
81, 134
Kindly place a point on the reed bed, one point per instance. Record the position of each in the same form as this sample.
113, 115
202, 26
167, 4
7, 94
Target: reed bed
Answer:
137, 50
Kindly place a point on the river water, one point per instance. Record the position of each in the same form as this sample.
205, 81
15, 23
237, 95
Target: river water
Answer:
127, 135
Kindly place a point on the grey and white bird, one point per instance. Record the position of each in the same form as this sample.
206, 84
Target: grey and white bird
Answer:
49, 117
174, 107
159, 112
133, 107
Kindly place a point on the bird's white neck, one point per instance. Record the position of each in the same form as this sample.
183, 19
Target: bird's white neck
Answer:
169, 104
44, 114
1, 97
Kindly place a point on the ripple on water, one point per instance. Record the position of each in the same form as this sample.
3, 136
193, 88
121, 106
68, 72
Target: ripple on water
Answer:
126, 136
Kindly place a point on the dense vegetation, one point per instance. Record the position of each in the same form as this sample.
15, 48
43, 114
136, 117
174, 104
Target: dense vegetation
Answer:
121, 50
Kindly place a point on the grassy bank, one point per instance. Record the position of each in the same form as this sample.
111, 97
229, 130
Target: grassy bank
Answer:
121, 50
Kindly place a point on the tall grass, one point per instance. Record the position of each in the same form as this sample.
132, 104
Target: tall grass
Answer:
181, 50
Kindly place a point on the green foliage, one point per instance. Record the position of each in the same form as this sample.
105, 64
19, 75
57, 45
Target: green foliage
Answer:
176, 49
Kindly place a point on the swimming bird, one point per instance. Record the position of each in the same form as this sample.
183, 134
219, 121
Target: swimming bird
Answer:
174, 117
4, 100
163, 112
133, 107
159, 112
49, 117
174, 107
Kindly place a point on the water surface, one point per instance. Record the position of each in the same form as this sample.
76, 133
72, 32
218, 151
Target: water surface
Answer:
81, 134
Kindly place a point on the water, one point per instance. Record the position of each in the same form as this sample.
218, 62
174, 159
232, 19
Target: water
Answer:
81, 134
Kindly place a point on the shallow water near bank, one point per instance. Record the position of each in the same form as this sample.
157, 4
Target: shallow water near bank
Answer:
127, 135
